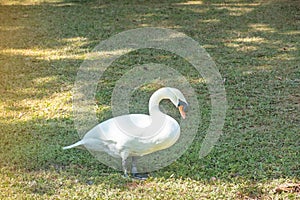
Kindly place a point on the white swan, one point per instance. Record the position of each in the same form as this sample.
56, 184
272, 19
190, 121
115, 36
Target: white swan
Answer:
137, 134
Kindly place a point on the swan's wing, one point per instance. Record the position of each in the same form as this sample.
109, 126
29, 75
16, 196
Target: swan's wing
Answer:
155, 139
121, 128
125, 127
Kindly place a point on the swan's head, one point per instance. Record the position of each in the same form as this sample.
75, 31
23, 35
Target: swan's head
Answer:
178, 100
173, 94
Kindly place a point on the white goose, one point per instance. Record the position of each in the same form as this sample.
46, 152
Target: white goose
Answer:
137, 134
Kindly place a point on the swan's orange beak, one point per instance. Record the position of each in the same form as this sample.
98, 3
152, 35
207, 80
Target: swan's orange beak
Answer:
181, 110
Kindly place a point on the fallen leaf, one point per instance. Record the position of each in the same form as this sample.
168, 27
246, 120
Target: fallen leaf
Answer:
290, 187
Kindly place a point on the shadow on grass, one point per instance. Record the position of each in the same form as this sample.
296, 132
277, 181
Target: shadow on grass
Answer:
255, 46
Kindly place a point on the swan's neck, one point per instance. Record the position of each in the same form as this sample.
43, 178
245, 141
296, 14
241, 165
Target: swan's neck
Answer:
154, 104
155, 100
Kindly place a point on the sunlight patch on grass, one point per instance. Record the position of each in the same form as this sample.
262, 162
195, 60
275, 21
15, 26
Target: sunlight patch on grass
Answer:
209, 46
103, 108
291, 33
241, 47
11, 28
236, 4
144, 25
70, 49
264, 68
284, 56
236, 9
105, 54
45, 54
251, 39
190, 3
40, 105
64, 4
246, 44
55, 106
198, 80
43, 80
262, 27
58, 105
210, 20
150, 87
27, 2
75, 41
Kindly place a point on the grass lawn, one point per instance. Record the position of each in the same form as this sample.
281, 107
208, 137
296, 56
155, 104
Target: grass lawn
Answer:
255, 45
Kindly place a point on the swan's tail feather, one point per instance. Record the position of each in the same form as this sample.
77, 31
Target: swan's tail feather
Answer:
73, 145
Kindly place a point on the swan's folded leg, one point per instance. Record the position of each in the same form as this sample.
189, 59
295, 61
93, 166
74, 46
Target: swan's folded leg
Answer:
133, 166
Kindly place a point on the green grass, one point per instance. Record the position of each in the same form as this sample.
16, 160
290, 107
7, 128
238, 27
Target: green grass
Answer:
255, 45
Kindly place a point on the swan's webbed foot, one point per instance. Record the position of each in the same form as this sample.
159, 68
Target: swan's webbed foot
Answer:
134, 172
140, 176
